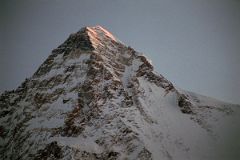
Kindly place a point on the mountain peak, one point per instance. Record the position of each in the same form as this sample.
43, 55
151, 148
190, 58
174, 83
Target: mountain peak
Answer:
98, 32
95, 98
88, 39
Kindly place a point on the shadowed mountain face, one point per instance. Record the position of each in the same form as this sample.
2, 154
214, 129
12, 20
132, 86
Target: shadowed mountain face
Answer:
95, 98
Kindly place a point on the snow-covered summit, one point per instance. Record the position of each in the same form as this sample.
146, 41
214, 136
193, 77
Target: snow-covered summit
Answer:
99, 32
95, 98
89, 38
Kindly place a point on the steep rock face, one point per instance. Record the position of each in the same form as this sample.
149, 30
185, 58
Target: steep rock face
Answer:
95, 98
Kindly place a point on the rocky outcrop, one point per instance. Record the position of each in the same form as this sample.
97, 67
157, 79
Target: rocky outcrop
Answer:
184, 104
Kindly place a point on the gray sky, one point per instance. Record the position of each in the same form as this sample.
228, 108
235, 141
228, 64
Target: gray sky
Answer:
193, 43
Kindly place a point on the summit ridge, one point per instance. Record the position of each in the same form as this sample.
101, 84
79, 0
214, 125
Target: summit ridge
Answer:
100, 32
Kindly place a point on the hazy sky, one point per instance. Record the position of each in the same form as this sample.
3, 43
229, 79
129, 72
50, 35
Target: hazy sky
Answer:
193, 43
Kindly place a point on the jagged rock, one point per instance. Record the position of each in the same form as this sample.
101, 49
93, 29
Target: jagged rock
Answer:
184, 104
51, 151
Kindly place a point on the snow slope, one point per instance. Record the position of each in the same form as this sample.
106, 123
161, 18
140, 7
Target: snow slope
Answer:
95, 98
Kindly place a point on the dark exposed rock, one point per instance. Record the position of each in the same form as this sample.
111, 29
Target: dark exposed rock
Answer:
70, 68
108, 155
66, 100
51, 151
184, 104
46, 66
5, 113
159, 81
145, 155
41, 98
78, 40
2, 131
